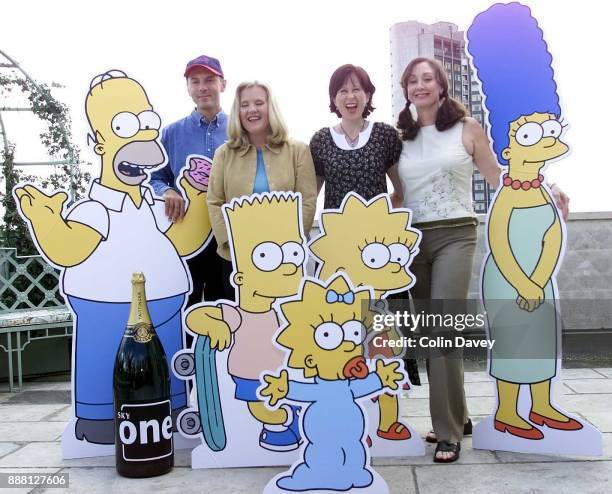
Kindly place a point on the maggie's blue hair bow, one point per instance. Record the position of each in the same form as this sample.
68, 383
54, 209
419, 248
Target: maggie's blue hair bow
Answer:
333, 296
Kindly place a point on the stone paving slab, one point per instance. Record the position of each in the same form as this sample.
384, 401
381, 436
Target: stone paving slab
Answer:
421, 424
607, 446
572, 478
586, 386
31, 431
585, 391
601, 420
607, 371
27, 413
474, 365
43, 396
481, 405
511, 457
487, 388
400, 479
477, 389
414, 407
565, 389
419, 407
468, 456
586, 403
7, 447
571, 374
49, 454
46, 386
62, 415
180, 480
474, 376
477, 376
472, 388
421, 391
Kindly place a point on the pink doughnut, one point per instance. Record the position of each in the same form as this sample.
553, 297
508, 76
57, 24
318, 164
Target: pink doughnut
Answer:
199, 172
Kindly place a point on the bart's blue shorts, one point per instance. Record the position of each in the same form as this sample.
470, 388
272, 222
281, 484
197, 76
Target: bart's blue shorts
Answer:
246, 389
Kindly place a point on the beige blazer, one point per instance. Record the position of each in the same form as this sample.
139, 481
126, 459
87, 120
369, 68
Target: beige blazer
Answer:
289, 167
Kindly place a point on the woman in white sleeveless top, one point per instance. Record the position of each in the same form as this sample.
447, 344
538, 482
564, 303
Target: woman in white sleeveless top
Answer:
440, 149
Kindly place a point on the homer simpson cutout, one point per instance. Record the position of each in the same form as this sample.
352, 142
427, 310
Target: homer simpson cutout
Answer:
525, 239
325, 328
373, 244
117, 230
268, 254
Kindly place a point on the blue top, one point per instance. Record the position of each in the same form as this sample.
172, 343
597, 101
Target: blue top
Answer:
261, 179
190, 135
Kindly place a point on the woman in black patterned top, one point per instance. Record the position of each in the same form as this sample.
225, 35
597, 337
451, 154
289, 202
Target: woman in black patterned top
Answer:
356, 154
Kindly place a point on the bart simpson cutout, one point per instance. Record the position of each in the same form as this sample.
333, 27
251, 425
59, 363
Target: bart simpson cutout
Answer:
374, 244
118, 230
525, 238
324, 333
236, 342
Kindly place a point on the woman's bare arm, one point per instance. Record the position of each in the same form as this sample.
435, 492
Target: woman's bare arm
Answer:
476, 143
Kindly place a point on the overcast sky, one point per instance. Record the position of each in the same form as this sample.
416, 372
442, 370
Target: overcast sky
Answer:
295, 47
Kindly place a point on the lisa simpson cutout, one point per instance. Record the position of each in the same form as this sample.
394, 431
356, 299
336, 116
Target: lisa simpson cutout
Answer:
374, 244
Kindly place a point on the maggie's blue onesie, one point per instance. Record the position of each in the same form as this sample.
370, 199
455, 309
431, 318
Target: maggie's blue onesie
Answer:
334, 426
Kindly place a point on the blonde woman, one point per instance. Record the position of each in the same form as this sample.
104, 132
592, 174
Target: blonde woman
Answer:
258, 157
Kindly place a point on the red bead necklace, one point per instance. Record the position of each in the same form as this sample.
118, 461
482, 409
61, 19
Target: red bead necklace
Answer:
525, 185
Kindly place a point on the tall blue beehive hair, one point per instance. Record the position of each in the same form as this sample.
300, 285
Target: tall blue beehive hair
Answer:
513, 64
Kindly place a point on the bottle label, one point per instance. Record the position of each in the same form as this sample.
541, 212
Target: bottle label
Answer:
145, 430
141, 332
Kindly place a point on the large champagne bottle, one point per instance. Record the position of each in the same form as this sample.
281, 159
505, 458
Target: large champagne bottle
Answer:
141, 385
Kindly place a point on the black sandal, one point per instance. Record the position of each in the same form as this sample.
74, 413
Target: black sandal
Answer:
467, 431
446, 447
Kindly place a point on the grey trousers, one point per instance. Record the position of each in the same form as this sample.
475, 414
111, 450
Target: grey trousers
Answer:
443, 269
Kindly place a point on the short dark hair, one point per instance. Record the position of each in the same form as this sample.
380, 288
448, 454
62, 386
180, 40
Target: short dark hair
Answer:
340, 75
449, 113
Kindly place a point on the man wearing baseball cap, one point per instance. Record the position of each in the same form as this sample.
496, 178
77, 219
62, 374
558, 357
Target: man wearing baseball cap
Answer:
200, 132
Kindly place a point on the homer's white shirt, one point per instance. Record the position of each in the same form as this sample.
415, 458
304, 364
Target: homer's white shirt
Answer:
132, 240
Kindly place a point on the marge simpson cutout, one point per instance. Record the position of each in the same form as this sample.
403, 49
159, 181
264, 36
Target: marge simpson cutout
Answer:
118, 230
374, 244
268, 254
325, 329
525, 235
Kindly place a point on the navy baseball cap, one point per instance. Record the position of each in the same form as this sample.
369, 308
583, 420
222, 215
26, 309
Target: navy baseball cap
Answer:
205, 62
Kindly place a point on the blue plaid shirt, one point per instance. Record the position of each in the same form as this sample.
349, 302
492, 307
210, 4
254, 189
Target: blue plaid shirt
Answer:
190, 135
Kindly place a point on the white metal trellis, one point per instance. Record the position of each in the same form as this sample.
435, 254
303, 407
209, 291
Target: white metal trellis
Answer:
9, 64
